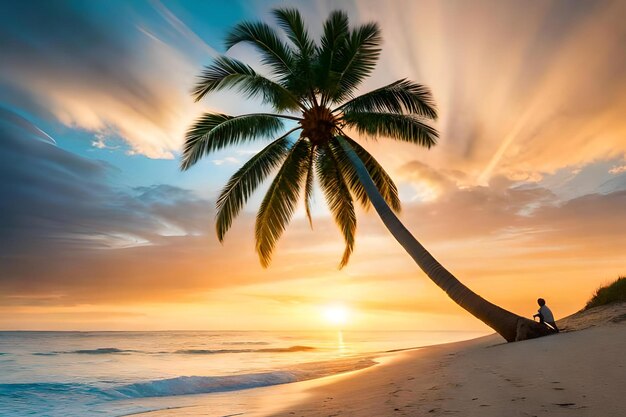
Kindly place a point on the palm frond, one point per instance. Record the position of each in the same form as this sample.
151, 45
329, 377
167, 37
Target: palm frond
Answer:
338, 198
243, 183
382, 180
403, 127
357, 60
402, 96
281, 201
334, 36
290, 20
227, 73
300, 80
214, 131
264, 38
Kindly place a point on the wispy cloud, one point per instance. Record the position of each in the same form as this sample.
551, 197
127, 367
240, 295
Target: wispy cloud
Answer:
523, 90
226, 160
618, 169
109, 79
55, 199
183, 29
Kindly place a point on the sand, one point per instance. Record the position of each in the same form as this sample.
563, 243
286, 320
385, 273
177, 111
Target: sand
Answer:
579, 372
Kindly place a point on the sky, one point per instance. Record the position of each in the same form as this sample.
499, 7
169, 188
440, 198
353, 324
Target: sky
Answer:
524, 196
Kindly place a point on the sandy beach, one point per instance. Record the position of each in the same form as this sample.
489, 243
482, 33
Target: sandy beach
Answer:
579, 372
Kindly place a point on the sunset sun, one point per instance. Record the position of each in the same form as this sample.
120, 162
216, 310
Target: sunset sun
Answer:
336, 314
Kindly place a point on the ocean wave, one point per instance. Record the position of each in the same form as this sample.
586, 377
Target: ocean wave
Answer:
102, 351
113, 351
185, 385
27, 390
98, 351
265, 350
182, 385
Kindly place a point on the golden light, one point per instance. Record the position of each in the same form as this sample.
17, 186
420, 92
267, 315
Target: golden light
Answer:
336, 314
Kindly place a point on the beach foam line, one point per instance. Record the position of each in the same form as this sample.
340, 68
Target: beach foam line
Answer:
183, 385
186, 385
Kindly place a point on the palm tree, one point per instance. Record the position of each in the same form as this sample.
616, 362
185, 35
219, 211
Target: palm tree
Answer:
312, 91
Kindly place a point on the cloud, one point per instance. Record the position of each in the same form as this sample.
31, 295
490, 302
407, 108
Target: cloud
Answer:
427, 183
522, 90
184, 30
226, 160
54, 198
100, 142
59, 213
618, 169
111, 79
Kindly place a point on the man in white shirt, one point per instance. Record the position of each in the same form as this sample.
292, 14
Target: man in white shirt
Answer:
545, 314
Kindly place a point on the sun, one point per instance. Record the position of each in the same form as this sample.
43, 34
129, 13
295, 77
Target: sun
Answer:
336, 314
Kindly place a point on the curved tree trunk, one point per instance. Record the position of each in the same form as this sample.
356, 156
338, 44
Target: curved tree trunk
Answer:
509, 325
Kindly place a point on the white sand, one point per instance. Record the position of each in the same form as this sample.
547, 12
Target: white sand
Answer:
576, 373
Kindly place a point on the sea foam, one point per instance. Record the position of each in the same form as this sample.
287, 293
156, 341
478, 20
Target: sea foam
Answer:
185, 385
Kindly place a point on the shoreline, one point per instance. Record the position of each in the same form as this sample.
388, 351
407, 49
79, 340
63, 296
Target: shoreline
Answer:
261, 401
579, 372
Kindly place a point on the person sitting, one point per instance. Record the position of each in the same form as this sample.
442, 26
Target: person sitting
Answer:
545, 314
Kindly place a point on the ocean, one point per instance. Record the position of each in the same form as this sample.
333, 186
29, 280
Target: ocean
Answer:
109, 374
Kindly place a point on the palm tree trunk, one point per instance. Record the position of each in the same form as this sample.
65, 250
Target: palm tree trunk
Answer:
509, 325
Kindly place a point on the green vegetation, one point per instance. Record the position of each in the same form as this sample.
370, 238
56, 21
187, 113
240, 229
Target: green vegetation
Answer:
612, 293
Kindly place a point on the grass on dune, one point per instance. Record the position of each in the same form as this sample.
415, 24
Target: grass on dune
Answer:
612, 293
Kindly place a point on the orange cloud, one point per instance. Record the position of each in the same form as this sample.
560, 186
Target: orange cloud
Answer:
523, 90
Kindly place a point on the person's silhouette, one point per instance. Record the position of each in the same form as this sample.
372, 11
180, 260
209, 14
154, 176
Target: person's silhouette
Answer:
545, 314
